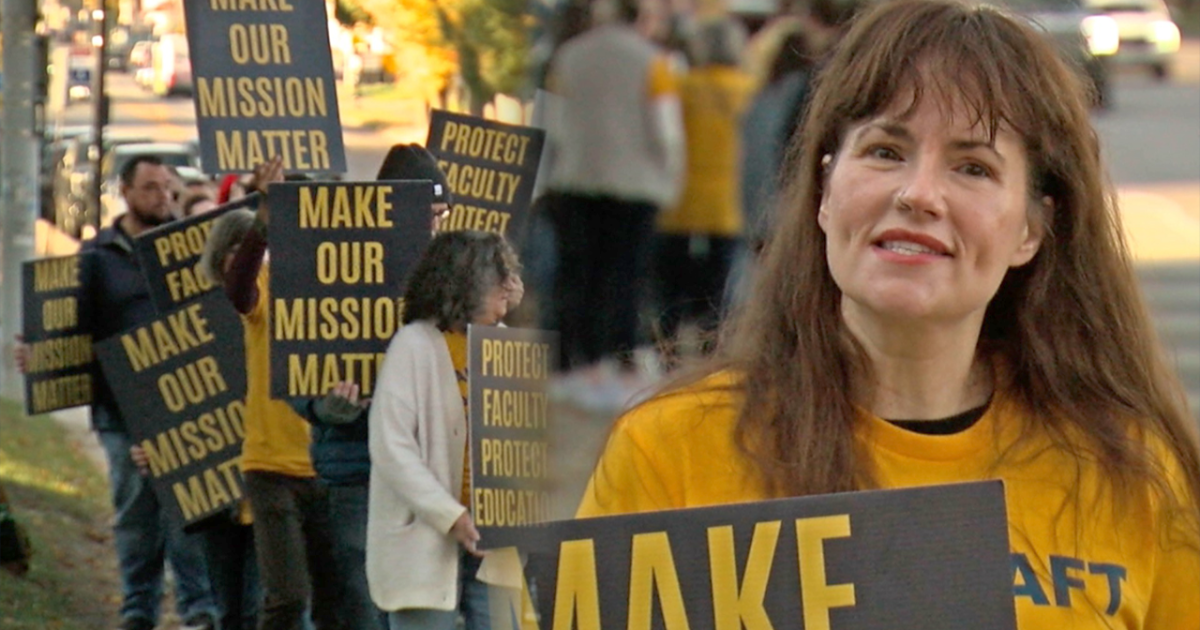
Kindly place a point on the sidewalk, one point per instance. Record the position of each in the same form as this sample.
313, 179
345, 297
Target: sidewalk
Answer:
401, 120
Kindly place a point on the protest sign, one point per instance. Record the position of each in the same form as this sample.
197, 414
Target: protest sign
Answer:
61, 364
170, 255
931, 557
491, 168
508, 370
263, 76
340, 255
180, 383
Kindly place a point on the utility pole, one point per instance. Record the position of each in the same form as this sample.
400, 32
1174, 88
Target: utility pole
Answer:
100, 105
18, 175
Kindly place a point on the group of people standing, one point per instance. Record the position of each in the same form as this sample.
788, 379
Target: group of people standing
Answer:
942, 294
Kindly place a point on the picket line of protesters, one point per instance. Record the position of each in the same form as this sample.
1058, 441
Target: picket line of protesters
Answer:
927, 311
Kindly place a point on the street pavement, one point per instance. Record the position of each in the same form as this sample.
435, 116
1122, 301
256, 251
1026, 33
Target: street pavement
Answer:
1149, 140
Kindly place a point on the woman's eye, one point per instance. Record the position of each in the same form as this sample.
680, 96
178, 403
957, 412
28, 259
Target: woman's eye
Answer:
883, 153
976, 170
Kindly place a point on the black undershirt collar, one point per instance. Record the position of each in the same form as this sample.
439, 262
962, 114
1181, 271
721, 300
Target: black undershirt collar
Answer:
945, 426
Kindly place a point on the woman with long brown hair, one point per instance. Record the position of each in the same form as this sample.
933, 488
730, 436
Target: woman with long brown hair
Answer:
948, 297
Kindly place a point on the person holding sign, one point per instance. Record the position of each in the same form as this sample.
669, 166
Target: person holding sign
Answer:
116, 298
292, 531
421, 541
947, 298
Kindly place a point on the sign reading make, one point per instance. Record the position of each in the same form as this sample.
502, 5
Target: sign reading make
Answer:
508, 370
491, 168
340, 254
930, 558
263, 78
182, 389
170, 256
59, 372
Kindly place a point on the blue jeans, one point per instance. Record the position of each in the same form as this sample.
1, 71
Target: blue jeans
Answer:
145, 537
472, 604
348, 522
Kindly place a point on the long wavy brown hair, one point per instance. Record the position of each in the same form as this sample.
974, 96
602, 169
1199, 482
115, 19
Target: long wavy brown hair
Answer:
1070, 327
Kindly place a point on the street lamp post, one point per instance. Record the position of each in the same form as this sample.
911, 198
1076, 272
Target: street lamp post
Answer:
100, 106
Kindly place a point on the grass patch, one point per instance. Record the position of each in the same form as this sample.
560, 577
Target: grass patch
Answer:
62, 502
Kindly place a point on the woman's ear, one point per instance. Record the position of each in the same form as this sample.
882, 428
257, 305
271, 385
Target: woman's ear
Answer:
1040, 214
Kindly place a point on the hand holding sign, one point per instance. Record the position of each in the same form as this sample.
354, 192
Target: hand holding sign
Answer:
465, 533
341, 405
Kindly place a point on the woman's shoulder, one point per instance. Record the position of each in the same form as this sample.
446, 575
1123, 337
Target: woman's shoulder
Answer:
708, 405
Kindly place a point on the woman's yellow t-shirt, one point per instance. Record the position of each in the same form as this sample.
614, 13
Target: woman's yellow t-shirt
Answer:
456, 342
1123, 567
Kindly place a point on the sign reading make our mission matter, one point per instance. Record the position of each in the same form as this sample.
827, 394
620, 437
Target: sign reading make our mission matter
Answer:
61, 364
934, 558
508, 370
340, 254
182, 389
490, 167
263, 77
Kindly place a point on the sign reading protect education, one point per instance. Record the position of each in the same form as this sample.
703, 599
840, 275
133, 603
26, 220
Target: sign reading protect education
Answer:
61, 364
180, 383
340, 255
491, 168
170, 256
263, 76
508, 370
934, 557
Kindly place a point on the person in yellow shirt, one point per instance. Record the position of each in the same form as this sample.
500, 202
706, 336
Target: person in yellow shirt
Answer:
948, 297
697, 237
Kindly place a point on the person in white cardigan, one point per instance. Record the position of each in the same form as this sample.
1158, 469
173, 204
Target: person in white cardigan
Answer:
422, 559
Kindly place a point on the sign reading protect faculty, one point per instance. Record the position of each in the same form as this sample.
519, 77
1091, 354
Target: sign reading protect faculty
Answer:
180, 383
933, 558
61, 364
340, 255
263, 76
508, 370
490, 167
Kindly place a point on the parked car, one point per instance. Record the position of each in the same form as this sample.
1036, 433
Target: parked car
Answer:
121, 42
1148, 36
54, 145
172, 66
181, 155
74, 206
1085, 40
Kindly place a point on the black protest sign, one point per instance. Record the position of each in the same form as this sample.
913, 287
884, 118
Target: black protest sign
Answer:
180, 383
263, 76
507, 373
170, 255
340, 255
931, 557
491, 168
61, 365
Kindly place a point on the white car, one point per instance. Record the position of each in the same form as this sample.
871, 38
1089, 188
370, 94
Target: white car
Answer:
1148, 36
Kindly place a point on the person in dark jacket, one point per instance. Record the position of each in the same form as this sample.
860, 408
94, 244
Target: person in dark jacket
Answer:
117, 297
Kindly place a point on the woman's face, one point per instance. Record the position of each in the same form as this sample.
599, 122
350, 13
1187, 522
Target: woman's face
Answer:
923, 216
494, 306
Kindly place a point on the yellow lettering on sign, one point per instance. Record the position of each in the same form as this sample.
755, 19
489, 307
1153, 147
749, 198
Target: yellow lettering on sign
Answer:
186, 282
351, 262
355, 206
191, 384
467, 217
262, 44
59, 314
250, 5
300, 149
180, 332
489, 144
816, 595
56, 273
59, 353
329, 319
576, 594
735, 607
62, 392
652, 567
193, 440
311, 375
209, 490
516, 359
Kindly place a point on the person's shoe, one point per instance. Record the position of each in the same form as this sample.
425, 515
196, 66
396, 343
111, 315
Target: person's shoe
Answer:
199, 621
136, 623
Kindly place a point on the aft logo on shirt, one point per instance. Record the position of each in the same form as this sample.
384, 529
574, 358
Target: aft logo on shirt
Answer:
1100, 581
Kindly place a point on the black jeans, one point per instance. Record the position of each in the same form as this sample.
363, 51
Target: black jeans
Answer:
295, 553
691, 271
604, 246
232, 571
